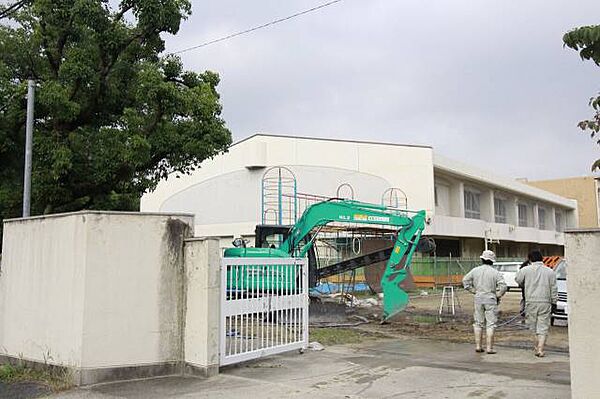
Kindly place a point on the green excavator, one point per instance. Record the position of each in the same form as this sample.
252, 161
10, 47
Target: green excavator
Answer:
298, 241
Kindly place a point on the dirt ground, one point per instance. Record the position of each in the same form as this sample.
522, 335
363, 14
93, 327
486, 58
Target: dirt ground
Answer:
420, 319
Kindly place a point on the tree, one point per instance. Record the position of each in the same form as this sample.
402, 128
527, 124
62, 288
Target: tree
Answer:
586, 40
113, 115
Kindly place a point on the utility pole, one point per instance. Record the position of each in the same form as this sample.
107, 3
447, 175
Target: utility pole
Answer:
28, 146
485, 238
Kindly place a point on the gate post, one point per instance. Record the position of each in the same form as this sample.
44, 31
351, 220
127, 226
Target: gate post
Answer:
202, 286
582, 249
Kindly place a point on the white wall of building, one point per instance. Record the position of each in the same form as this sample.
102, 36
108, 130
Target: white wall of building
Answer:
582, 251
225, 192
457, 183
448, 226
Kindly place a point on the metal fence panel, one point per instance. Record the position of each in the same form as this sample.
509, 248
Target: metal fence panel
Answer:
442, 266
264, 307
435, 271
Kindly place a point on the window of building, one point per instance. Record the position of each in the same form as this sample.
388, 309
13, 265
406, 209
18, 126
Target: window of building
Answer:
542, 218
559, 221
472, 202
442, 198
523, 219
499, 210
447, 248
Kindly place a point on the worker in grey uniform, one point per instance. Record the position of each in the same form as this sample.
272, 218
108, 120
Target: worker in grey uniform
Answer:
541, 294
488, 286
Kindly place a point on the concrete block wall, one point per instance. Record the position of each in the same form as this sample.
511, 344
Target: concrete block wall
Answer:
42, 289
582, 251
101, 293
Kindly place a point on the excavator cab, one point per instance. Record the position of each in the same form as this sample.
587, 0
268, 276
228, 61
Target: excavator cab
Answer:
267, 235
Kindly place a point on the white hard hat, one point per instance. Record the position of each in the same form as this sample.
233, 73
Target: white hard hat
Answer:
488, 255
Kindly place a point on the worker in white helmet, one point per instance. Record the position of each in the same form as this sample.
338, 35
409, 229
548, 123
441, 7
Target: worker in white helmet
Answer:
488, 286
539, 283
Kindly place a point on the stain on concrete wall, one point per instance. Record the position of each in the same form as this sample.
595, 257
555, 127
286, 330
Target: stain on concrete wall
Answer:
171, 287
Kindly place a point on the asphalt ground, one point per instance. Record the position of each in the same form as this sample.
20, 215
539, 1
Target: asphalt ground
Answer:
389, 368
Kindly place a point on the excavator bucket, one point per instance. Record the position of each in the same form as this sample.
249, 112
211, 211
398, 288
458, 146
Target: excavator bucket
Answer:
395, 299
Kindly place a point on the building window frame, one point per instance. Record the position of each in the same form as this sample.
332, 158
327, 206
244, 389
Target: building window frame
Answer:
542, 218
500, 215
522, 214
472, 199
558, 220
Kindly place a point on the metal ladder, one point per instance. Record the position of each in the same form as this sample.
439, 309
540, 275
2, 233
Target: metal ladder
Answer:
449, 302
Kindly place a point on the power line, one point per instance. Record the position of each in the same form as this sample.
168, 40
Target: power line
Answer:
230, 36
6, 11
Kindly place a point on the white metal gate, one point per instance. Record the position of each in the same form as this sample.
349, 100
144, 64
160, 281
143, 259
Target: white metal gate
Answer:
264, 307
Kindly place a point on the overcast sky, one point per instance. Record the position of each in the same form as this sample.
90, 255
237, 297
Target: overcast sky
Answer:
485, 82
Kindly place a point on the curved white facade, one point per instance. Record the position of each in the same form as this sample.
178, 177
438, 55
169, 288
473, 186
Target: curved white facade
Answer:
225, 192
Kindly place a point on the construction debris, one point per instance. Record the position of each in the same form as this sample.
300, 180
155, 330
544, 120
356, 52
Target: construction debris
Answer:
315, 346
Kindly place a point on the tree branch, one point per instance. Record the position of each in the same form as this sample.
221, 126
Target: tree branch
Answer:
120, 14
105, 69
157, 118
178, 81
53, 63
62, 41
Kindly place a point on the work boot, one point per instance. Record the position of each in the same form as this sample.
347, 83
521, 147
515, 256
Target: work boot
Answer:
489, 341
478, 331
541, 342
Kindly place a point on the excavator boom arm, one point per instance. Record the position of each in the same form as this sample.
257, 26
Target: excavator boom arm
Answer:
342, 211
410, 225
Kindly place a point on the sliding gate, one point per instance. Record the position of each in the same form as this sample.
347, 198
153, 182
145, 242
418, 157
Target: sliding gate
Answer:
264, 307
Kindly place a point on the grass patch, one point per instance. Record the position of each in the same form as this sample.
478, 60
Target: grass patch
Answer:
56, 380
337, 336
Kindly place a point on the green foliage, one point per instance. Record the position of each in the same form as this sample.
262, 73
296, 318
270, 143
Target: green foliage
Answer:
113, 115
586, 40
56, 379
337, 336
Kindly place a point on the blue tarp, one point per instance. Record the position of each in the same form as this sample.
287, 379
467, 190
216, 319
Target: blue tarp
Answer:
332, 288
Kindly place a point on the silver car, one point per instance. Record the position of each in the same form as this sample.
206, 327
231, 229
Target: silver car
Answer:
508, 271
562, 307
